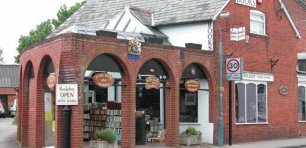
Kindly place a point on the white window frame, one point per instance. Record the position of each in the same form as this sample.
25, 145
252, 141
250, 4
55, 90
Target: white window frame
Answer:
304, 85
258, 13
267, 110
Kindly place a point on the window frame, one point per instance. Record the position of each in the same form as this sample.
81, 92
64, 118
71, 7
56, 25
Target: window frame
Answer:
256, 12
245, 82
298, 99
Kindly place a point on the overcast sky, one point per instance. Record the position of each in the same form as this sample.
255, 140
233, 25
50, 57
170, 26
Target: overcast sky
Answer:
19, 17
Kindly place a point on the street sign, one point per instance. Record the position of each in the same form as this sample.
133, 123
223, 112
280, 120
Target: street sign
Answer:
233, 69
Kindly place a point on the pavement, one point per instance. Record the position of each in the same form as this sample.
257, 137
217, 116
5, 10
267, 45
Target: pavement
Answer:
8, 139
281, 143
8, 133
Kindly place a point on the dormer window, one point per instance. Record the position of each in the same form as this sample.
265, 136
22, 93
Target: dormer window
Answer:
257, 22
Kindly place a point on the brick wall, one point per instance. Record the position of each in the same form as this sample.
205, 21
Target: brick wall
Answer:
279, 44
72, 53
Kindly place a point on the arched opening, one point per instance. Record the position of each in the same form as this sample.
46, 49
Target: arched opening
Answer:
102, 96
26, 95
150, 102
46, 84
194, 101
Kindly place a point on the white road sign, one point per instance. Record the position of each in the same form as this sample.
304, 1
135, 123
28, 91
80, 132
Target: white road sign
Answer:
233, 69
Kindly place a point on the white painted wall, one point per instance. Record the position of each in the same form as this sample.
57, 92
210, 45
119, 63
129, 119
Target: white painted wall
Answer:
111, 89
199, 33
203, 124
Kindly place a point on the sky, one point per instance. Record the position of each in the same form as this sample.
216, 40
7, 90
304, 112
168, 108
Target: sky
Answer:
19, 17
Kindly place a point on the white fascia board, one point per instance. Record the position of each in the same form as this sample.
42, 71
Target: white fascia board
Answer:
298, 35
218, 13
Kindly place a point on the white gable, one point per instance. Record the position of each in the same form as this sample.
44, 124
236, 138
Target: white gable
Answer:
126, 22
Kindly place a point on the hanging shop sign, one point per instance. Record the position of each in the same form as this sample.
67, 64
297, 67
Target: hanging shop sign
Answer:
66, 94
152, 82
250, 3
283, 90
192, 85
237, 34
103, 79
51, 81
134, 49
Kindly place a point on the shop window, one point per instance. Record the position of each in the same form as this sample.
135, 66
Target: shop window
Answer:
251, 103
257, 22
188, 107
302, 99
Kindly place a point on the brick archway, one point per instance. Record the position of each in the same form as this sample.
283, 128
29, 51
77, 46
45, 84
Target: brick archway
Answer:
46, 67
25, 95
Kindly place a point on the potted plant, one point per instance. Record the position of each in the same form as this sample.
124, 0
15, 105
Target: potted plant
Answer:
103, 139
190, 137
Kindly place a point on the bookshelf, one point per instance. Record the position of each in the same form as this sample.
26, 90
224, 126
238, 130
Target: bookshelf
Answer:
99, 116
86, 126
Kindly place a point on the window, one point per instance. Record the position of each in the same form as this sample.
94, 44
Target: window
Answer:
251, 102
188, 107
257, 22
302, 65
302, 99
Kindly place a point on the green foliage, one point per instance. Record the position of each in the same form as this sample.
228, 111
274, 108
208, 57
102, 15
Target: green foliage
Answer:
1, 58
105, 135
190, 131
43, 30
63, 14
15, 121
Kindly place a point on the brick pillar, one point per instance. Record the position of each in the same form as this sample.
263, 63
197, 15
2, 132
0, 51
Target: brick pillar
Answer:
128, 107
172, 115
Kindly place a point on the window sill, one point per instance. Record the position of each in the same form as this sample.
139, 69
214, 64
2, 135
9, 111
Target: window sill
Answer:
304, 122
190, 123
259, 35
264, 123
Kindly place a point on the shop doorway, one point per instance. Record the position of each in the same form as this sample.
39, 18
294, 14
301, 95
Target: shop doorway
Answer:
150, 102
102, 96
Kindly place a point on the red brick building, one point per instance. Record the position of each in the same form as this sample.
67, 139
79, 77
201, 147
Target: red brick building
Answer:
297, 11
264, 103
9, 82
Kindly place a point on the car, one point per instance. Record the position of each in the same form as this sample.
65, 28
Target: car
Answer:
13, 108
2, 111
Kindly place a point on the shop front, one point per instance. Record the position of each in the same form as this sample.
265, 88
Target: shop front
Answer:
114, 89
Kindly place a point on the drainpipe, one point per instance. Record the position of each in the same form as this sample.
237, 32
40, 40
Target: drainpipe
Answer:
298, 35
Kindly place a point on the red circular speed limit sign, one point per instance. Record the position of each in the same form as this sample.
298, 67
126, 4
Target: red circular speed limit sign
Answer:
233, 65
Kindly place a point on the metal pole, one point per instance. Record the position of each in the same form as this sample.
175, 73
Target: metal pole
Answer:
230, 113
66, 128
221, 89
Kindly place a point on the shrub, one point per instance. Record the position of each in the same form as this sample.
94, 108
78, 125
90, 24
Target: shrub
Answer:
190, 131
105, 135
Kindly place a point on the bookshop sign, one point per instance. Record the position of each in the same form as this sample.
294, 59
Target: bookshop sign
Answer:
67, 94
250, 3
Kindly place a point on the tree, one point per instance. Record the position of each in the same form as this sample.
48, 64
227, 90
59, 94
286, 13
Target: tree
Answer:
64, 14
44, 29
1, 58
